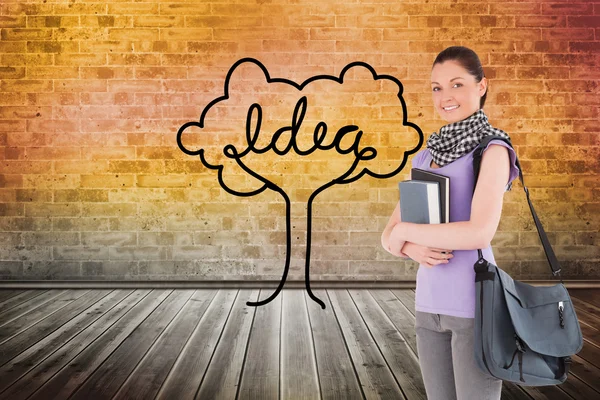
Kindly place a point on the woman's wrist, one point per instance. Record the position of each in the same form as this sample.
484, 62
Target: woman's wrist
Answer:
402, 249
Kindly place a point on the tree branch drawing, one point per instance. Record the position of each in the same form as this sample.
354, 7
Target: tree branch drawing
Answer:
321, 96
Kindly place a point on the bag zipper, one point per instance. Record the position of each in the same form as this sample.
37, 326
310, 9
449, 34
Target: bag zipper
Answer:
560, 314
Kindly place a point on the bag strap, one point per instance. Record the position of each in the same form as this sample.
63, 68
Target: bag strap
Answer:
554, 265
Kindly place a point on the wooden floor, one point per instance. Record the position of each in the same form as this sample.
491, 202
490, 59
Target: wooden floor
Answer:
208, 344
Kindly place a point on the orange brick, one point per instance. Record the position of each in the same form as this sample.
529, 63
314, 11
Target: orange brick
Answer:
132, 8
186, 9
109, 153
52, 72
76, 195
79, 85
52, 210
108, 209
164, 73
544, 21
568, 34
26, 85
514, 34
529, 8
134, 86
162, 21
12, 125
51, 125
9, 21
26, 59
29, 195
107, 181
26, 34
581, 21
585, 46
157, 167
132, 34
162, 181
53, 153
189, 34
51, 47
104, 21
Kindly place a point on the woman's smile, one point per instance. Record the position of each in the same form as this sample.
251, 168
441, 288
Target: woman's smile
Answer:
449, 109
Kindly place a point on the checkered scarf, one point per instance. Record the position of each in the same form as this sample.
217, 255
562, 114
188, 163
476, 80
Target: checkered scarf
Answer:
459, 138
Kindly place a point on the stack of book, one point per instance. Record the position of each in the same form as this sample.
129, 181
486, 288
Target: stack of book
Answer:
425, 199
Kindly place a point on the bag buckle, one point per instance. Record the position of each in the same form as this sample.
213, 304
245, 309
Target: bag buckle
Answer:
556, 272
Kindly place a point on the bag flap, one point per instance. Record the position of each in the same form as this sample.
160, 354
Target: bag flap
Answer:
534, 311
533, 296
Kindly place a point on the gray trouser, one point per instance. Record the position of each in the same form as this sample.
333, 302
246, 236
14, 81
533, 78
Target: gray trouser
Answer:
446, 355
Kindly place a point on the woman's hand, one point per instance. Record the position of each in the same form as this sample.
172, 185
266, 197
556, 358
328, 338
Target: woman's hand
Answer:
428, 257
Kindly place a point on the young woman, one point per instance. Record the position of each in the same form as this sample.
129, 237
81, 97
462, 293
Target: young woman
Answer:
446, 253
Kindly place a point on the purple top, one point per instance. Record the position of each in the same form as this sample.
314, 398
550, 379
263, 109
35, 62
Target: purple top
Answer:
450, 288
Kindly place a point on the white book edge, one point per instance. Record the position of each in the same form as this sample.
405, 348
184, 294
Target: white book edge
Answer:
434, 208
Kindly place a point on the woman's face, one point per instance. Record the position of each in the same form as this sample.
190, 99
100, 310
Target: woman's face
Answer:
452, 85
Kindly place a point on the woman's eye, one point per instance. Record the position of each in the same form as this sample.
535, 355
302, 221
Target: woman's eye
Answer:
460, 84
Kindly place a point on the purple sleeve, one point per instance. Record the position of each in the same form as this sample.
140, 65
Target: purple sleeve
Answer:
514, 170
418, 159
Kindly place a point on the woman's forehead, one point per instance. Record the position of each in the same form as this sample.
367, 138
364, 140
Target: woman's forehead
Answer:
447, 71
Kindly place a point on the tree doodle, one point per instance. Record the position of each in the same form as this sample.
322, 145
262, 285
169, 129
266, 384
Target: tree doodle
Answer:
345, 102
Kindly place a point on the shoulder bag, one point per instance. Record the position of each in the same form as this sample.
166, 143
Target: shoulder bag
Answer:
534, 324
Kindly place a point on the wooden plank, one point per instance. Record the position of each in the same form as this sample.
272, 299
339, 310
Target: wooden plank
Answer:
186, 375
6, 294
586, 320
223, 374
15, 345
407, 297
298, 366
40, 344
17, 299
586, 371
546, 393
577, 389
400, 316
510, 391
40, 313
105, 381
145, 381
591, 296
81, 358
589, 308
590, 352
337, 377
33, 301
591, 334
376, 378
260, 376
401, 360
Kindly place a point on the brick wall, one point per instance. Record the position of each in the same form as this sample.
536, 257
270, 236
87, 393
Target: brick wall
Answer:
92, 94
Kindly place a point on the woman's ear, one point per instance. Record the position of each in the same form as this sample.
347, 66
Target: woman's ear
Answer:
483, 86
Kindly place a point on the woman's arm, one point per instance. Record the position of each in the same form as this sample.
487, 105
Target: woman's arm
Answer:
486, 210
385, 236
